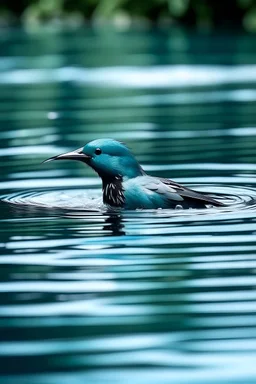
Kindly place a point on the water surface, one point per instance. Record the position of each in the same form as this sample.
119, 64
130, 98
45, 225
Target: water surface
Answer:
142, 296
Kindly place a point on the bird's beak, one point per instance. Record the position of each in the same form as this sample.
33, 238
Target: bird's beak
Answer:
73, 155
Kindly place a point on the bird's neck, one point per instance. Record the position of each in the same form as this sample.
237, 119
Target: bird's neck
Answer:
113, 192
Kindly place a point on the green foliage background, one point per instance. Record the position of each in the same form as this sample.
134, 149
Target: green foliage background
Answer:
206, 14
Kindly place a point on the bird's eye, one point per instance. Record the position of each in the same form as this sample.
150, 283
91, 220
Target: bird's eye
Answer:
97, 151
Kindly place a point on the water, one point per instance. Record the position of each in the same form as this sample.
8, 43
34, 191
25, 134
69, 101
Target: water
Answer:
146, 296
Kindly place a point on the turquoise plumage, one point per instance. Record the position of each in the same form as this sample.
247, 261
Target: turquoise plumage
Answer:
126, 185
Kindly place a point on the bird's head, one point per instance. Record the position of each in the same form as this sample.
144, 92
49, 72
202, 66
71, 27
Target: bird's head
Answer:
109, 158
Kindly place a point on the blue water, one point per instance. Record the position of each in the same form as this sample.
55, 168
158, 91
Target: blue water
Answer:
92, 296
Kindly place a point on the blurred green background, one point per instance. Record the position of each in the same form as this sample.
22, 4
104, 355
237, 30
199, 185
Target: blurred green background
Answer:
203, 14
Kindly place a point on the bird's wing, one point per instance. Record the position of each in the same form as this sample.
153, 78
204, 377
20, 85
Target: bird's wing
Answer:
155, 184
188, 194
153, 192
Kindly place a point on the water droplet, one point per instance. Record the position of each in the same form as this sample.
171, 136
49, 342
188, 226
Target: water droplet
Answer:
52, 115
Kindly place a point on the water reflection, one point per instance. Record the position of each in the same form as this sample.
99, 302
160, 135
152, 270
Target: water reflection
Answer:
93, 296
114, 225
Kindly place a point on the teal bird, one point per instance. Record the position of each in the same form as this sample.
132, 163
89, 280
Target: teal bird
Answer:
126, 185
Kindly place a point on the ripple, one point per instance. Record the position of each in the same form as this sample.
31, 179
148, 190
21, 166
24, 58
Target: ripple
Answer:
175, 76
85, 200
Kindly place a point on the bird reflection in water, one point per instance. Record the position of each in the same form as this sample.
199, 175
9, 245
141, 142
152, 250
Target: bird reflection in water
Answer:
115, 225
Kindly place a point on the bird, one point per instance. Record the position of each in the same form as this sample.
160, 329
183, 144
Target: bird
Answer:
126, 185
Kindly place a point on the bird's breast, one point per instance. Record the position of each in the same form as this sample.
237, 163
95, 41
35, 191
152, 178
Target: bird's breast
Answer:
113, 193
